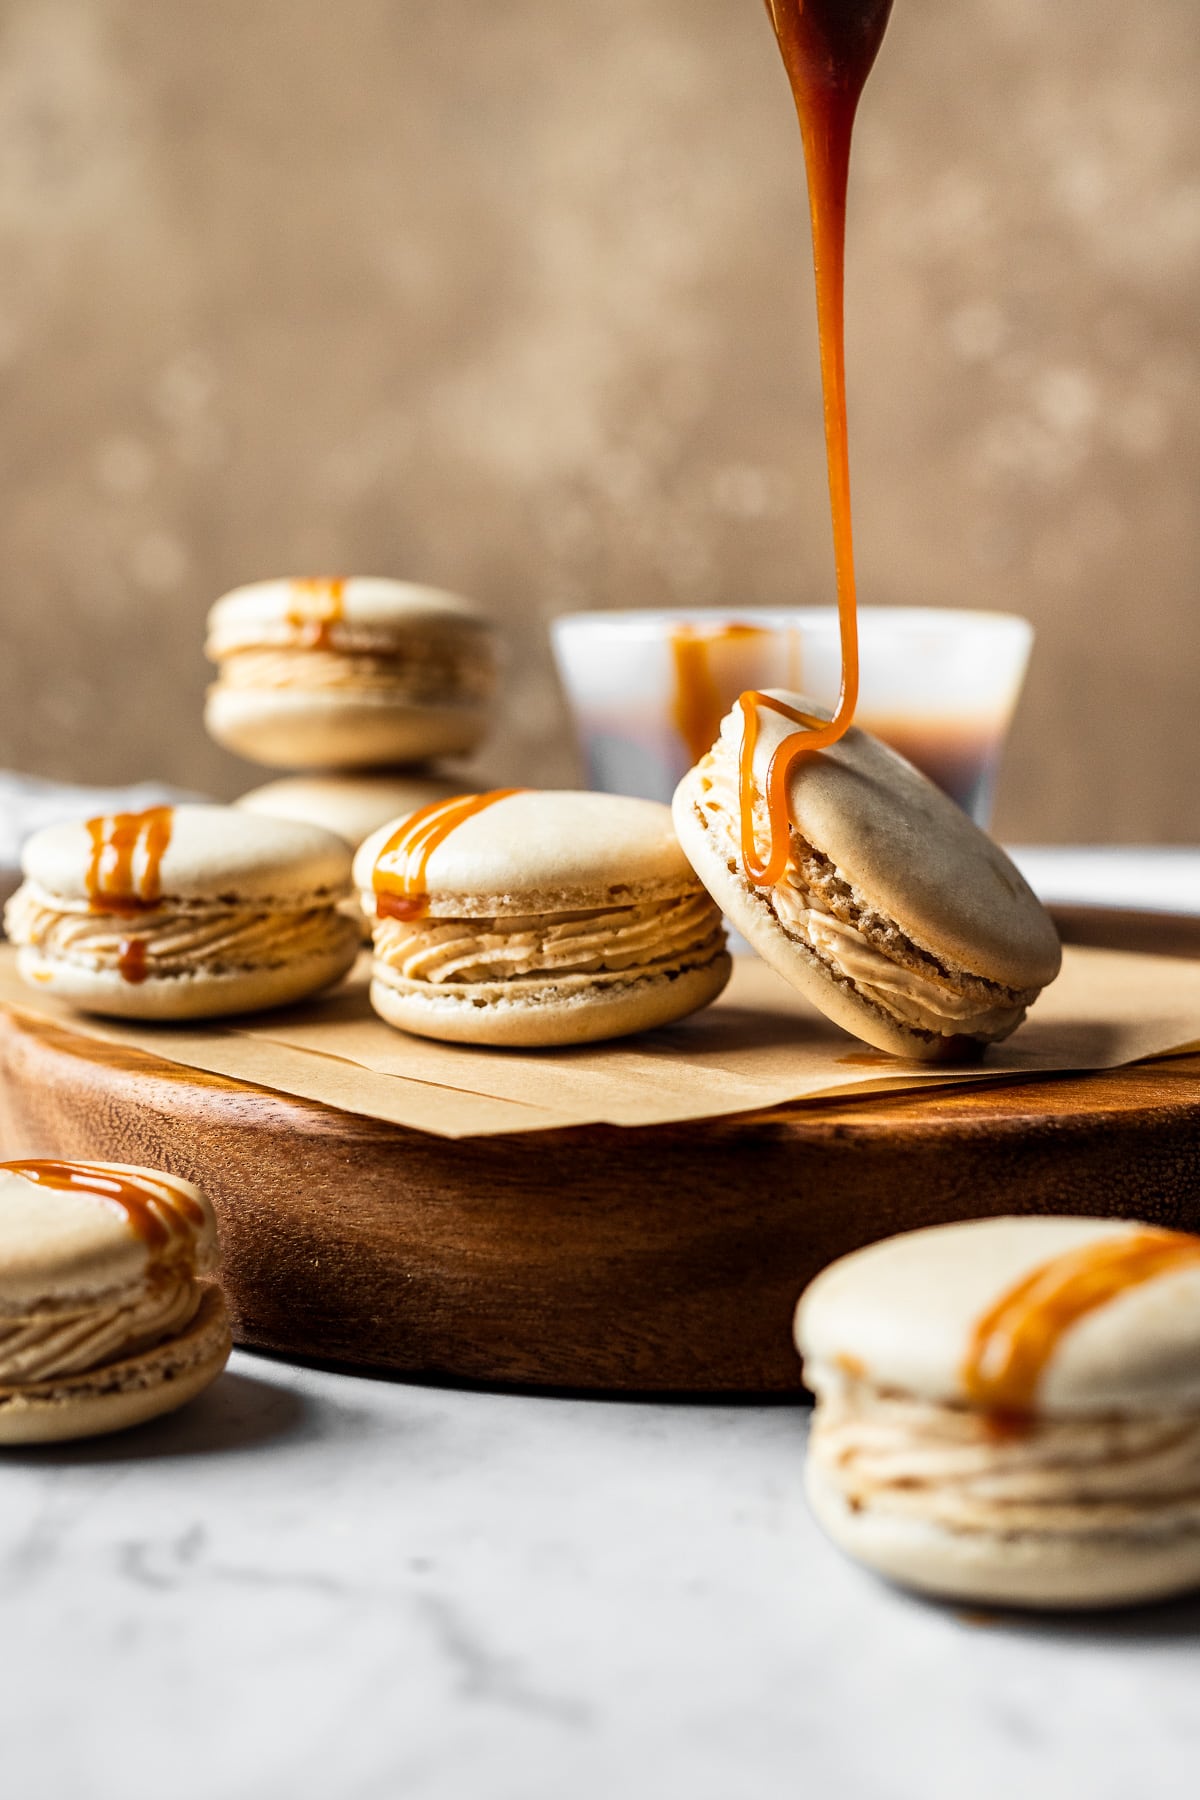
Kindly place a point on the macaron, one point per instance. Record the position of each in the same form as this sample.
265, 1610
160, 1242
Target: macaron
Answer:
183, 912
529, 918
108, 1315
348, 674
352, 806
894, 914
1008, 1411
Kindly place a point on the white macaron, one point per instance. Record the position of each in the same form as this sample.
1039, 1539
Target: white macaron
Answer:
1008, 1410
348, 674
183, 912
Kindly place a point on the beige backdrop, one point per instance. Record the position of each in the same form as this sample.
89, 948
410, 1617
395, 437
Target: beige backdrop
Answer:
515, 297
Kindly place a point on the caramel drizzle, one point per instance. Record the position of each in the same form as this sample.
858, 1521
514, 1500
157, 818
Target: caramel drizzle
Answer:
154, 1219
698, 704
399, 877
1012, 1344
318, 604
829, 47
116, 839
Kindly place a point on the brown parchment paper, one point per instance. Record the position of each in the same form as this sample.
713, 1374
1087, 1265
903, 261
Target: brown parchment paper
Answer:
759, 1046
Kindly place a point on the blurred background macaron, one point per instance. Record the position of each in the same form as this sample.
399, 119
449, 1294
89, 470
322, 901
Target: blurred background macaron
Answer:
348, 674
533, 918
1008, 1410
108, 1314
183, 912
352, 806
895, 914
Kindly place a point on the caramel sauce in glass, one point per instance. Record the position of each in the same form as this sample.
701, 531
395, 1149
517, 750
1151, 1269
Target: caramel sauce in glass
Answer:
829, 48
318, 604
153, 1219
700, 701
402, 866
1014, 1341
113, 883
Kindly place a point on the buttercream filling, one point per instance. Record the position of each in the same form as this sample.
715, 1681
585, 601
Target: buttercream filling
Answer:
421, 672
45, 1344
957, 1469
940, 1004
610, 944
177, 939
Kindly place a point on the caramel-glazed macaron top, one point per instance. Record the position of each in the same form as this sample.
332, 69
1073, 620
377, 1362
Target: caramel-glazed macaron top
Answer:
190, 853
353, 806
1108, 1311
537, 851
910, 851
267, 613
80, 1231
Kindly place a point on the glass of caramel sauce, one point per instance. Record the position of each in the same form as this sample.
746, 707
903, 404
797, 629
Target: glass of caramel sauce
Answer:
647, 690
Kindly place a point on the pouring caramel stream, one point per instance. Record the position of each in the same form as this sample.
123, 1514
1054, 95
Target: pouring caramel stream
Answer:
829, 48
401, 868
1013, 1343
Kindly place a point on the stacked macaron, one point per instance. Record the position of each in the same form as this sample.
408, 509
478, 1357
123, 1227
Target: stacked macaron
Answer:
356, 685
1008, 1410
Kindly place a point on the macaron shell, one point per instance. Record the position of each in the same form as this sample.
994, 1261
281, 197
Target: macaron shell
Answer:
542, 1016
749, 908
121, 1394
1026, 1569
544, 851
215, 852
312, 728
902, 1313
910, 851
202, 995
353, 806
66, 1244
370, 601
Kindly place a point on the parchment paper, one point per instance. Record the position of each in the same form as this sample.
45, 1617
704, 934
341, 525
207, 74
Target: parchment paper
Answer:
759, 1046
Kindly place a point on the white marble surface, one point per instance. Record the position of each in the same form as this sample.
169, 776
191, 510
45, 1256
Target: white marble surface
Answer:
313, 1584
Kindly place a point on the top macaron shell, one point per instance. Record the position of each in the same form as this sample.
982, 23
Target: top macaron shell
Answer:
546, 852
214, 853
901, 1314
912, 853
61, 1245
267, 612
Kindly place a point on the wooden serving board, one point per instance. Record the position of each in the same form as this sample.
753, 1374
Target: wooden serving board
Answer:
656, 1260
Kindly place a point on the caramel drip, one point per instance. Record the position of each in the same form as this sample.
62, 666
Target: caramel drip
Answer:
399, 875
700, 702
1014, 1341
318, 604
112, 884
829, 47
131, 960
155, 1220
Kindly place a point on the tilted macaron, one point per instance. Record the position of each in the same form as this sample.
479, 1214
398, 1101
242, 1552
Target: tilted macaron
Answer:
1008, 1411
183, 912
353, 806
532, 918
348, 674
107, 1315
895, 914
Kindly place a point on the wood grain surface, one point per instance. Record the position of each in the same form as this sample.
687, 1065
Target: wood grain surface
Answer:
662, 1260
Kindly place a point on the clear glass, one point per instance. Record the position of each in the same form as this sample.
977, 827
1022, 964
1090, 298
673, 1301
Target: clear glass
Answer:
646, 689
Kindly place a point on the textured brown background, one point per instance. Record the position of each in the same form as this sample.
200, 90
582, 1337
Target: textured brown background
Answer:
515, 297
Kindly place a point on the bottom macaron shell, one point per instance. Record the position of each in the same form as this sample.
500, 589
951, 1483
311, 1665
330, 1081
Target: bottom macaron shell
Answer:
143, 1387
202, 995
543, 1016
308, 729
1050, 1571
750, 909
